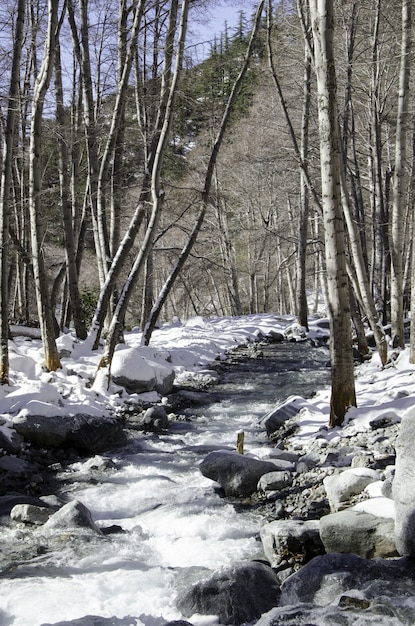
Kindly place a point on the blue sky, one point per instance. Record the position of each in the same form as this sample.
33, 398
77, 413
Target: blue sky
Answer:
215, 17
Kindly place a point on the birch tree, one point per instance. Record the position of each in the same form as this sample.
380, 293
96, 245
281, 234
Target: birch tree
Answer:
397, 218
343, 393
6, 179
46, 315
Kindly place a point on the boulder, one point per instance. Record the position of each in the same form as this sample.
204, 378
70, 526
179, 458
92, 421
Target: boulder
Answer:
237, 595
384, 588
403, 486
87, 434
357, 532
155, 419
291, 539
30, 514
341, 487
96, 620
74, 514
237, 474
138, 373
276, 418
274, 481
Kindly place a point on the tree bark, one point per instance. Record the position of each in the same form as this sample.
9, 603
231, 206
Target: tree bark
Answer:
6, 180
343, 393
45, 313
397, 217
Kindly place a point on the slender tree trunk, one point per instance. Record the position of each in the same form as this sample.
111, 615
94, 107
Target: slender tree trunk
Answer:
397, 218
70, 248
6, 181
342, 375
45, 313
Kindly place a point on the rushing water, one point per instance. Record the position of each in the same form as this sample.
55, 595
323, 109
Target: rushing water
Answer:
175, 526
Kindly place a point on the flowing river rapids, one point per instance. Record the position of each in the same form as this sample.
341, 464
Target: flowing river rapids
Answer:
169, 525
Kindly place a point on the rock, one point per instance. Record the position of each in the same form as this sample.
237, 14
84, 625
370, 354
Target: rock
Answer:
327, 616
276, 418
87, 434
387, 584
155, 419
15, 465
74, 514
95, 620
403, 486
357, 532
237, 595
30, 514
237, 474
274, 481
10, 440
340, 487
8, 502
291, 539
138, 373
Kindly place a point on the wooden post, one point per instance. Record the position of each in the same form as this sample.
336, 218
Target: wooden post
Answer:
240, 442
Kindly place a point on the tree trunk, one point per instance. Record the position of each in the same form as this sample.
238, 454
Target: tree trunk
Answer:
6, 180
342, 375
397, 217
45, 313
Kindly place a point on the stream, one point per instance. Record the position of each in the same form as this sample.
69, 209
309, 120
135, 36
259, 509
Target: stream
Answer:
168, 526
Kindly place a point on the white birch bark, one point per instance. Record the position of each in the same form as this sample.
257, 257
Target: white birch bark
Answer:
397, 219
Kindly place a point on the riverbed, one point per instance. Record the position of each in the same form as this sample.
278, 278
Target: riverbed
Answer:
165, 524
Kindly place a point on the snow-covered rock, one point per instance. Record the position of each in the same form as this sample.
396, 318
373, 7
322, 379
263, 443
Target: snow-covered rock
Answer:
139, 373
340, 487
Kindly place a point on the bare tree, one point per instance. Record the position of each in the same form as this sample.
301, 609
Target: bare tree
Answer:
6, 180
396, 239
46, 315
343, 393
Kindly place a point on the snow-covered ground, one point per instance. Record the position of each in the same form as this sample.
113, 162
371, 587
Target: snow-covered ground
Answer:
172, 516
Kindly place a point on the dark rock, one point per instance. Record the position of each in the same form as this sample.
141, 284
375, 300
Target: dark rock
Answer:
155, 419
237, 474
236, 595
12, 443
86, 434
276, 418
330, 576
9, 501
95, 620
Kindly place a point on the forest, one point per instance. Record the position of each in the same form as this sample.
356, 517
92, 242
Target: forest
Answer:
142, 181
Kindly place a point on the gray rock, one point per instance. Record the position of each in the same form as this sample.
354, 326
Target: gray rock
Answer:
8, 502
236, 595
237, 474
14, 465
291, 539
96, 620
357, 532
275, 481
155, 419
276, 418
30, 514
387, 584
87, 434
10, 441
340, 487
329, 616
403, 486
74, 514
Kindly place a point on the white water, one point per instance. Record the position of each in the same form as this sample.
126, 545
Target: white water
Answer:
176, 525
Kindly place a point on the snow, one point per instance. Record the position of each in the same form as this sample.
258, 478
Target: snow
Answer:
136, 491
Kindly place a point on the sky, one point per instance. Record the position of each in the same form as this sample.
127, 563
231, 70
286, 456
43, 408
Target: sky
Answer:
211, 21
